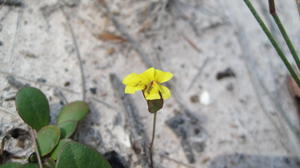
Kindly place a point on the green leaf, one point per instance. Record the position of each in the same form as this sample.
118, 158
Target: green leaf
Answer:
30, 165
19, 165
67, 128
74, 111
11, 165
47, 139
76, 155
33, 107
58, 148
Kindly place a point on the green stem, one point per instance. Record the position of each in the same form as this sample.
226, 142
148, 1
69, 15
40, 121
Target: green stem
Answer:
273, 41
287, 39
152, 141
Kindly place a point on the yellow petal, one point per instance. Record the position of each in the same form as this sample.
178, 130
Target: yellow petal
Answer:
161, 76
165, 92
148, 75
131, 89
132, 79
152, 92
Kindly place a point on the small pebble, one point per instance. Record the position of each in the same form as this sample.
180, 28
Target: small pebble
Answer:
41, 80
194, 99
93, 90
67, 84
205, 98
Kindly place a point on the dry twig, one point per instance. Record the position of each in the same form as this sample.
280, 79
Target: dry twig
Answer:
78, 55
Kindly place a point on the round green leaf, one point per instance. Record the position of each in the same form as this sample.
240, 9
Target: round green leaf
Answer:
58, 148
67, 128
11, 165
33, 107
76, 155
47, 139
74, 111
30, 165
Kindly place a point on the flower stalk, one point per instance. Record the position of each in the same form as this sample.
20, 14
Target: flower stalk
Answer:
152, 141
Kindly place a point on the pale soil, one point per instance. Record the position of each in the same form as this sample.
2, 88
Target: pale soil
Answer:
241, 125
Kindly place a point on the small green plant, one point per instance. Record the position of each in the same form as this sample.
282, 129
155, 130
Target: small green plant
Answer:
54, 149
149, 82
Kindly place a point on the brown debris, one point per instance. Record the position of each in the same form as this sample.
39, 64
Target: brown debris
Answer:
110, 37
205, 160
110, 51
146, 26
295, 93
194, 99
293, 88
28, 54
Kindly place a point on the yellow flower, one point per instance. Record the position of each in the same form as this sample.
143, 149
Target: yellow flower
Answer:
149, 82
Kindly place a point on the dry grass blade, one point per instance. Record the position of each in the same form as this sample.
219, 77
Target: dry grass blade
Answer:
146, 26
192, 44
110, 37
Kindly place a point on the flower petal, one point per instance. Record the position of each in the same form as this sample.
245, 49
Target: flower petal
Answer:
132, 79
148, 75
131, 89
165, 92
152, 92
161, 76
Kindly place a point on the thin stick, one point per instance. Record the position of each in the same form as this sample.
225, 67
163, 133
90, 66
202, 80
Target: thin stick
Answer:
78, 54
11, 58
273, 41
6, 73
283, 32
176, 161
33, 136
152, 141
200, 70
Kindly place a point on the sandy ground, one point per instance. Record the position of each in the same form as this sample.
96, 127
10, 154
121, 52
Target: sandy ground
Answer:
81, 49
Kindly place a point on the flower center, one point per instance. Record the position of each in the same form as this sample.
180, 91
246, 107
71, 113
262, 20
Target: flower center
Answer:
149, 87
